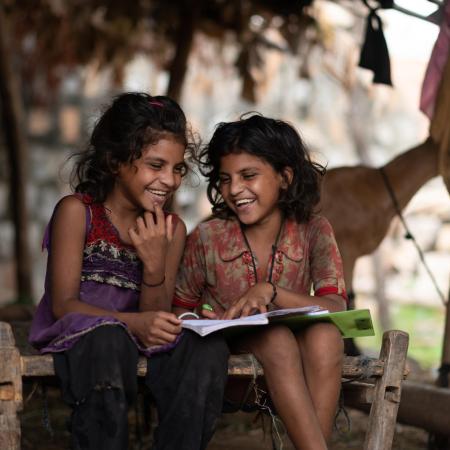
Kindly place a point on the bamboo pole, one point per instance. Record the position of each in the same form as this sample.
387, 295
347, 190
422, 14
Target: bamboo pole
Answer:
12, 124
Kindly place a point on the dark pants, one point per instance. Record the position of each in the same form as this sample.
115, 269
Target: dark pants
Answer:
98, 379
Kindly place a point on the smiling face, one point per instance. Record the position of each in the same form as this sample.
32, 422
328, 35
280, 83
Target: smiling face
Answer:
250, 187
154, 177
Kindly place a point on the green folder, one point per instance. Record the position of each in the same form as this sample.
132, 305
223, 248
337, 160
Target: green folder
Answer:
352, 323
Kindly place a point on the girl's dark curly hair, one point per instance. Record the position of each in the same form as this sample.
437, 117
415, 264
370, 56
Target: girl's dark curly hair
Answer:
275, 142
132, 121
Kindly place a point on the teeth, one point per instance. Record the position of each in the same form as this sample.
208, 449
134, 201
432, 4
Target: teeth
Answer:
160, 193
244, 201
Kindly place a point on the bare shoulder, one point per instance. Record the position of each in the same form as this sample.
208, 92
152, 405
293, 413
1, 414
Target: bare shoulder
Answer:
180, 231
70, 210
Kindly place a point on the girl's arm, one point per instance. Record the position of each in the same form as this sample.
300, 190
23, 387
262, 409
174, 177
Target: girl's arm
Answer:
258, 298
289, 299
65, 261
191, 276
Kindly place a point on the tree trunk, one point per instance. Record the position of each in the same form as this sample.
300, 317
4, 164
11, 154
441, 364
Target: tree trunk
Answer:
189, 13
11, 113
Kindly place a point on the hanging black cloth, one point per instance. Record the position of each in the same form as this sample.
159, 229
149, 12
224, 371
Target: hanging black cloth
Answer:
374, 53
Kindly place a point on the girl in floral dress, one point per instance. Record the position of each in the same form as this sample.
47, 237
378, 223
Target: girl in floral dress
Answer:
265, 248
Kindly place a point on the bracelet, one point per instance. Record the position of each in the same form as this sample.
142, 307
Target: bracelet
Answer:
188, 314
274, 292
154, 285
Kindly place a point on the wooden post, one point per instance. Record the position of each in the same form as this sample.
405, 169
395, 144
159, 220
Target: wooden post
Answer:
10, 390
444, 377
189, 14
383, 414
11, 113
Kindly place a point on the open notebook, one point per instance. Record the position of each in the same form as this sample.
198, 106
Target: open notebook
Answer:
353, 323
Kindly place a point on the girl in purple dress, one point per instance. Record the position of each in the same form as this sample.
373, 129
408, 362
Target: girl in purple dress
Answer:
113, 257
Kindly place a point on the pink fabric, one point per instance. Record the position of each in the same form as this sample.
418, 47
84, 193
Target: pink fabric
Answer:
436, 66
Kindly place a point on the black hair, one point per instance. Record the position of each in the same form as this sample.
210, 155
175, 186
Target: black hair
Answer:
275, 142
131, 122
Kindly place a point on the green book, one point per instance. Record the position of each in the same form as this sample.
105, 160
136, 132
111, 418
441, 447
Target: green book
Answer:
352, 323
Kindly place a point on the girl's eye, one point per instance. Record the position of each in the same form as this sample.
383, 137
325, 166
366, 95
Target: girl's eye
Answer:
181, 169
155, 166
248, 176
224, 180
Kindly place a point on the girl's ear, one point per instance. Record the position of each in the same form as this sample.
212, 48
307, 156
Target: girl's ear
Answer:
112, 165
288, 175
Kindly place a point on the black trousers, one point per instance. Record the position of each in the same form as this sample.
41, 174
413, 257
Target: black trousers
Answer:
98, 380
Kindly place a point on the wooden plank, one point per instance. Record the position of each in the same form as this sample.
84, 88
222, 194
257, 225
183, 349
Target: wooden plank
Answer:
383, 413
34, 364
10, 390
425, 406
358, 393
354, 367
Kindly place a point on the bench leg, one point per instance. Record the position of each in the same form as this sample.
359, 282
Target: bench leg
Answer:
10, 390
383, 413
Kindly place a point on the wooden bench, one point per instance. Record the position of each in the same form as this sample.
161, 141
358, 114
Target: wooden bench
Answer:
375, 383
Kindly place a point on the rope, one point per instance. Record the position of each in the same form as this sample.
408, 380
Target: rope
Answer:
409, 235
366, 373
341, 410
262, 400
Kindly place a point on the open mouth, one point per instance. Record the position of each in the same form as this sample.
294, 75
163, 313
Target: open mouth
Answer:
242, 203
161, 195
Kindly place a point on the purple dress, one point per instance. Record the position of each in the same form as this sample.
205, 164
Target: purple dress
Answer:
110, 279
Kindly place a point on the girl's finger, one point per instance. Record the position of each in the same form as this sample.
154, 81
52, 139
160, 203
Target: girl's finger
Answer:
168, 327
262, 308
233, 312
209, 314
160, 219
164, 335
159, 340
133, 236
248, 309
169, 228
169, 317
140, 224
149, 220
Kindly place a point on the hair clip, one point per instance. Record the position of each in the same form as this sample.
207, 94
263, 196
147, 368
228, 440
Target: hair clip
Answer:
155, 103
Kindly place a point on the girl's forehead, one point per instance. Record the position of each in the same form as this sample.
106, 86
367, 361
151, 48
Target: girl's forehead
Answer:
240, 160
164, 148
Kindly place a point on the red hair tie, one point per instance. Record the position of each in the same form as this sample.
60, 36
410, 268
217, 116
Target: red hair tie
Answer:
155, 103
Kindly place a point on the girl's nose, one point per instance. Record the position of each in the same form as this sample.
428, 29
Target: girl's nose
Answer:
235, 187
168, 178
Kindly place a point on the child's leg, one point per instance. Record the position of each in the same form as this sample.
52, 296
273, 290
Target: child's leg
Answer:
188, 384
322, 351
277, 350
98, 380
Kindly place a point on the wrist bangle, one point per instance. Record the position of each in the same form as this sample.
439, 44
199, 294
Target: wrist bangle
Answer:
154, 285
274, 292
189, 314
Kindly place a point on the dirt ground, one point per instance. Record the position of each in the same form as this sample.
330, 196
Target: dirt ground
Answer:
235, 432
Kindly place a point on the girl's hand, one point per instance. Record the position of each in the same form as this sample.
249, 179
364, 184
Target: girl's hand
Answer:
155, 328
208, 312
255, 300
151, 240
